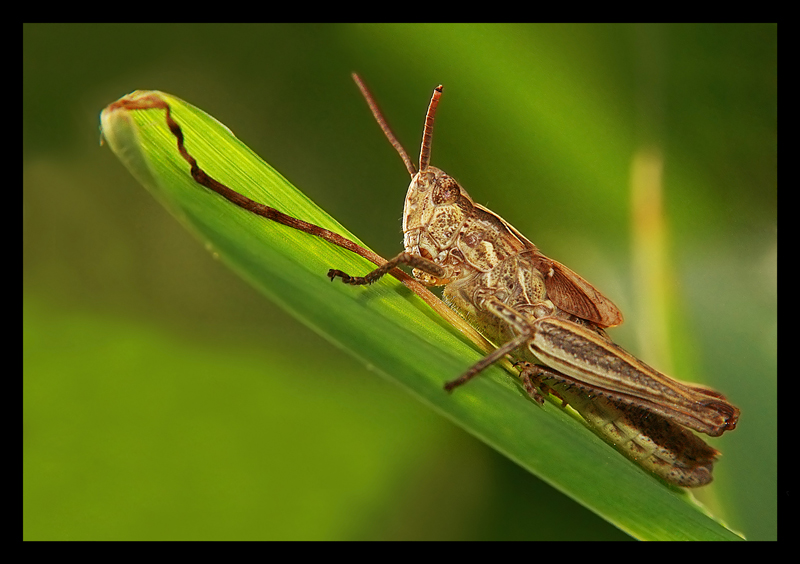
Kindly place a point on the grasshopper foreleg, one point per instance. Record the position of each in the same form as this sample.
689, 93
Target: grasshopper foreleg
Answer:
414, 261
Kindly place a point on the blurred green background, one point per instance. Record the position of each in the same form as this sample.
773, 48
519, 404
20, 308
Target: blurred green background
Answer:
165, 399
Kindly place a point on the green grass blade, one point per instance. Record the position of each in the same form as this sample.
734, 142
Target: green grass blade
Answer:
384, 325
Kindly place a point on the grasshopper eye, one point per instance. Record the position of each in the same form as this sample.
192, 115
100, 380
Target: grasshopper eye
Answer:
445, 191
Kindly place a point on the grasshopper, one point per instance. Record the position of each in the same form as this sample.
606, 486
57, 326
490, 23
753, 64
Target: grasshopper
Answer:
549, 320
543, 315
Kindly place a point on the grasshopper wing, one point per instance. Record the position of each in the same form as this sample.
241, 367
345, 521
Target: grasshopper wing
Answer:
571, 293
567, 289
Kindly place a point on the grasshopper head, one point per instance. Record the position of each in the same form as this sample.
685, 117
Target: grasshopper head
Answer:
436, 202
435, 211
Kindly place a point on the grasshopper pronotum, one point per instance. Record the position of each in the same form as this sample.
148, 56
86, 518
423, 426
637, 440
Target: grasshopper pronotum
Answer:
547, 318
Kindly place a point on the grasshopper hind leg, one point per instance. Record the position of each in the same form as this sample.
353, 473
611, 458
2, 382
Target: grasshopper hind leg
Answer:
666, 449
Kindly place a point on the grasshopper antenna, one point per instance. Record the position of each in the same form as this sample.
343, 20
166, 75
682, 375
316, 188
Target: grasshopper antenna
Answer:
427, 135
385, 126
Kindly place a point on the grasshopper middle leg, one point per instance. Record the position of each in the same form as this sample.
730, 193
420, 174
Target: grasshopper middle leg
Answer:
523, 330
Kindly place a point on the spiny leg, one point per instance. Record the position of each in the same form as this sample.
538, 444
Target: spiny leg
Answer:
414, 261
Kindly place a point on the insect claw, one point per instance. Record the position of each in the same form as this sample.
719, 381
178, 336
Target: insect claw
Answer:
346, 278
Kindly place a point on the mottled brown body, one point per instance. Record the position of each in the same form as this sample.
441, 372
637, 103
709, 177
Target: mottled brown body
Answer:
546, 317
551, 321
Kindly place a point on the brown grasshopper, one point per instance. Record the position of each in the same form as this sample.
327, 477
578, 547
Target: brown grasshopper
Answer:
549, 319
545, 316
